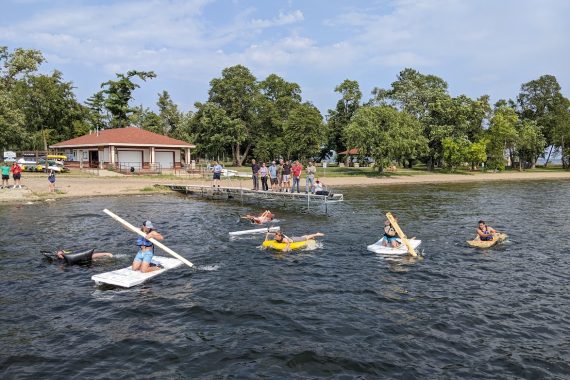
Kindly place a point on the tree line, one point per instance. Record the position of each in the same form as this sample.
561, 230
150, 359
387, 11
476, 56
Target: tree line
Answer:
413, 121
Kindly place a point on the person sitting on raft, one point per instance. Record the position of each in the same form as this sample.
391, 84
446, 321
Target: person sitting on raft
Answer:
390, 237
265, 217
146, 249
485, 232
281, 238
60, 253
320, 188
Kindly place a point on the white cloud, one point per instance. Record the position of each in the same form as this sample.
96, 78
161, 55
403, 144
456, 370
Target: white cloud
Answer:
280, 20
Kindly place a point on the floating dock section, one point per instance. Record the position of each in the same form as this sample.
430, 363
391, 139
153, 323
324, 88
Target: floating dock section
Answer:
244, 195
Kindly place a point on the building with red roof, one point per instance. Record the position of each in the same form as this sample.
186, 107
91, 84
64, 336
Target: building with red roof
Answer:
123, 148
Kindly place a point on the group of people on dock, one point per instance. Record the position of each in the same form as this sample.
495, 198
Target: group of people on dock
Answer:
281, 176
284, 176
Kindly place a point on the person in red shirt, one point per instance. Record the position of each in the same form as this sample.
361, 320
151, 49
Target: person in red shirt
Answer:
16, 171
296, 170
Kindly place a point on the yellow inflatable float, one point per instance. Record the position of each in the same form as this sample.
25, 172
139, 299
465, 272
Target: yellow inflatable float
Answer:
293, 246
478, 243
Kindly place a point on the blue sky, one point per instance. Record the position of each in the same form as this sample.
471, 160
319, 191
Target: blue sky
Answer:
478, 46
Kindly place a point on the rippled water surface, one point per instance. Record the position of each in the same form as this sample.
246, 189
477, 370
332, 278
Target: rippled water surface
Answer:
335, 312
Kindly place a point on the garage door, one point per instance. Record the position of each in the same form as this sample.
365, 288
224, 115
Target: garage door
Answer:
165, 159
130, 158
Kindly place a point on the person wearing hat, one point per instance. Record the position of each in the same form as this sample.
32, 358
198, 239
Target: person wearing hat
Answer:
146, 249
390, 237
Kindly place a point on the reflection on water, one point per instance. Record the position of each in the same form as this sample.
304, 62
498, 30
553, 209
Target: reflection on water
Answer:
338, 311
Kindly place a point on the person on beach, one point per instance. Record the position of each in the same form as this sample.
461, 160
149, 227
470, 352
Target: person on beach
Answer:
390, 238
273, 176
146, 249
217, 169
485, 232
16, 171
279, 237
266, 217
296, 170
255, 174
310, 179
264, 174
5, 175
51, 181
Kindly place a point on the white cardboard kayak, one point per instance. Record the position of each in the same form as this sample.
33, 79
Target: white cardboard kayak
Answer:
127, 278
401, 250
255, 231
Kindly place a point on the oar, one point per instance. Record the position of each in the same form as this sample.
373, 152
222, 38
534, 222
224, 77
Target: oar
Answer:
401, 234
154, 241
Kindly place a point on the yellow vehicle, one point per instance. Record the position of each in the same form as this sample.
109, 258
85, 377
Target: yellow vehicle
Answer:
60, 157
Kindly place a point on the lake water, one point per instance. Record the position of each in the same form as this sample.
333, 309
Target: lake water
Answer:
336, 312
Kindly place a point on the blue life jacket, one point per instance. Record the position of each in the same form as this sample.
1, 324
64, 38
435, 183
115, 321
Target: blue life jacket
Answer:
141, 241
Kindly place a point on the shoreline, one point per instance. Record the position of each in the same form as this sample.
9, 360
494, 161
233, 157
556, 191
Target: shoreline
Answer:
77, 186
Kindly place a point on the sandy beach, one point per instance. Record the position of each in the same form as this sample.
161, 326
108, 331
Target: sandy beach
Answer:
74, 184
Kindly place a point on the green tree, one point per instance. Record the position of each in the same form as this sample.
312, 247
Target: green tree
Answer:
213, 130
97, 115
385, 134
170, 117
304, 132
339, 118
15, 66
51, 111
237, 93
146, 119
529, 144
502, 135
540, 100
455, 151
119, 93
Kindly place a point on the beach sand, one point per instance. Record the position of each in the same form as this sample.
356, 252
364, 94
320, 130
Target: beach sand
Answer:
35, 185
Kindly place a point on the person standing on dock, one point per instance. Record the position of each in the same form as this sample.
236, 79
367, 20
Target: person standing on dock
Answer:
264, 173
310, 179
217, 169
287, 176
280, 174
255, 174
146, 249
273, 176
296, 170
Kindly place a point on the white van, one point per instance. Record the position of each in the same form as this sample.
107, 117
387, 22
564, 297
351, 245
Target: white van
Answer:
9, 156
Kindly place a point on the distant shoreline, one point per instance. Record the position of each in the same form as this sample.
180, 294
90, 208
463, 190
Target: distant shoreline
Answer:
73, 185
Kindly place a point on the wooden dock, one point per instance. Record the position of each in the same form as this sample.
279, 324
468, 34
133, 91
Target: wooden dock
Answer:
245, 195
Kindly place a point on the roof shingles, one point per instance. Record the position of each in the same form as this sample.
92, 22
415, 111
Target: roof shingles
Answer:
128, 136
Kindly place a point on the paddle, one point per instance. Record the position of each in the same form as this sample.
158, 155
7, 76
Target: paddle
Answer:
401, 234
154, 241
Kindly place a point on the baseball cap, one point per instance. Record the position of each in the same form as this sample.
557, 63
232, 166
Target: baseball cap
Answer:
148, 224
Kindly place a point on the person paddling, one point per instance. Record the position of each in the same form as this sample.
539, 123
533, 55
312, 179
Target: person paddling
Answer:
485, 232
146, 249
390, 237
281, 238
